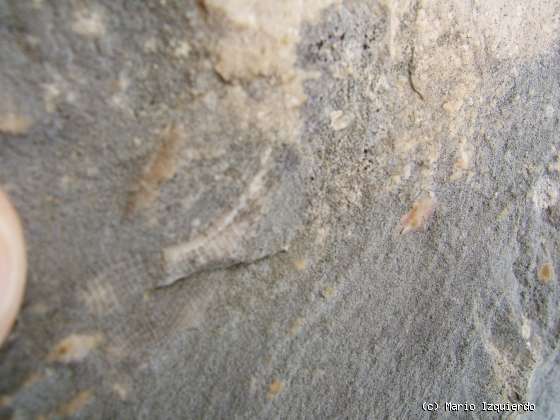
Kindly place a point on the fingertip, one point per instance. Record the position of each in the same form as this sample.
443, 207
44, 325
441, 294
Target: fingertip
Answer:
12, 265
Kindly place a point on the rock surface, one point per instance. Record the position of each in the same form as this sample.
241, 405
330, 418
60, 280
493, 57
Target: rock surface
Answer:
319, 209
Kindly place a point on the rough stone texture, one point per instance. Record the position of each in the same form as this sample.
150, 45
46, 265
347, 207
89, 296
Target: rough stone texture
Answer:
319, 209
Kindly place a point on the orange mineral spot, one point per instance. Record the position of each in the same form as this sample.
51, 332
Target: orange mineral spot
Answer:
274, 389
300, 264
418, 217
545, 273
159, 169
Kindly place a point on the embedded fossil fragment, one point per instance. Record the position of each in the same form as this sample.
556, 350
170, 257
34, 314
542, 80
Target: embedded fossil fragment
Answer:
219, 245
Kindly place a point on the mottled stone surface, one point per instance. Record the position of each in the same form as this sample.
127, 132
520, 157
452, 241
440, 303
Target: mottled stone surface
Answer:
319, 209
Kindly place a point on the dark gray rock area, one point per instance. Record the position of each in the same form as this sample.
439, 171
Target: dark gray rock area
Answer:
253, 210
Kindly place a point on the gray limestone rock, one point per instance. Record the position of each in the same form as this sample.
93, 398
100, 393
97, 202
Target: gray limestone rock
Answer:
319, 209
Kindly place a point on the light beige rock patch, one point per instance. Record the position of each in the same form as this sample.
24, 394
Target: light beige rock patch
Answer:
74, 348
445, 45
261, 36
15, 124
181, 48
544, 193
99, 296
340, 120
296, 326
75, 405
121, 390
258, 39
505, 28
89, 23
462, 160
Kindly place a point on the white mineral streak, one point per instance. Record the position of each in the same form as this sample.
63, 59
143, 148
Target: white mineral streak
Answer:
340, 120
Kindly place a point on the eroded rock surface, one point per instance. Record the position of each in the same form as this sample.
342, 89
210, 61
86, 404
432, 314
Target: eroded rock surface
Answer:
262, 209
